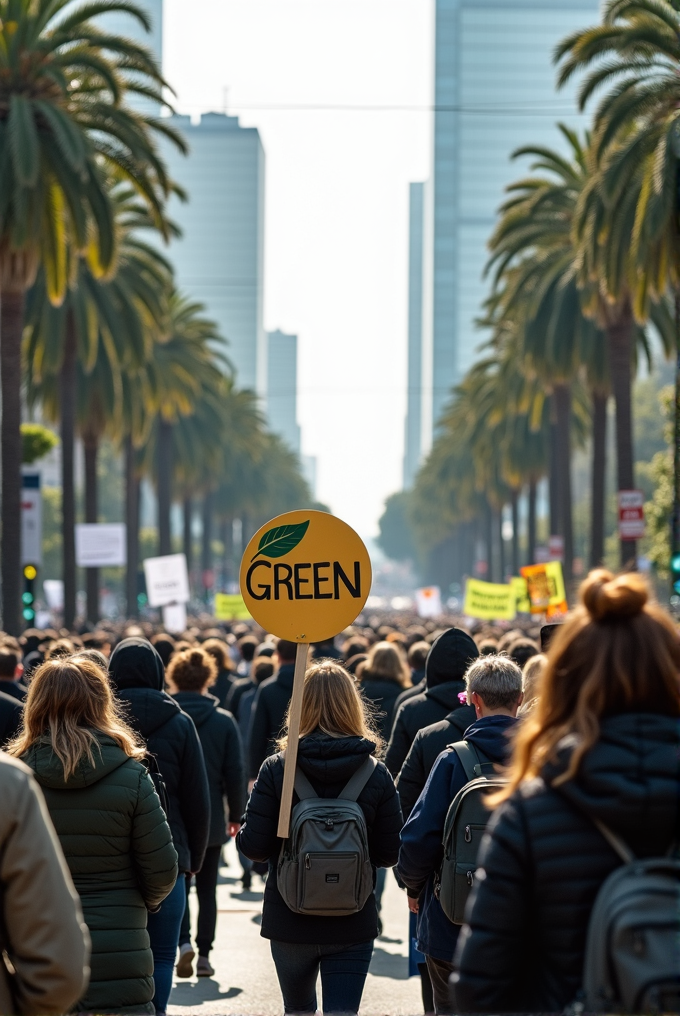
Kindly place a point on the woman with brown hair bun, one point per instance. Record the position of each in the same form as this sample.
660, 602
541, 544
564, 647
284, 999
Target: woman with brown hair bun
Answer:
191, 675
600, 749
336, 741
109, 820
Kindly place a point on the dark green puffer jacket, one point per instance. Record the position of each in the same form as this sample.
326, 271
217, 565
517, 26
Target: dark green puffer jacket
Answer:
119, 850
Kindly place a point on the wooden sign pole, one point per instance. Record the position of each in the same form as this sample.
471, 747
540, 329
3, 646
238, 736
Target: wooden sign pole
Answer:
293, 738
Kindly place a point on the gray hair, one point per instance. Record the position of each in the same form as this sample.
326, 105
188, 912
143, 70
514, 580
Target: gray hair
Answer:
496, 679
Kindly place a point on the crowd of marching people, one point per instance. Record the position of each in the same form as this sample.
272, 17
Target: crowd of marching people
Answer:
511, 779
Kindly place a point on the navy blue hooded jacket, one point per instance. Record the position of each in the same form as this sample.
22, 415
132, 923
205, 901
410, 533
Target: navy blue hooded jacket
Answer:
421, 838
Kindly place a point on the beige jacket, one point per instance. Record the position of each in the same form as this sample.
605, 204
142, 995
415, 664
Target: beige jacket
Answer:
45, 941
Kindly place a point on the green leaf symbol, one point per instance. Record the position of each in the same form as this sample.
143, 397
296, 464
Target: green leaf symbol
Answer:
280, 540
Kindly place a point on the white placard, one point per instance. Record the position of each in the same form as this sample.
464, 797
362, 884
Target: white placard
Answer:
54, 593
31, 519
429, 601
101, 544
175, 618
167, 580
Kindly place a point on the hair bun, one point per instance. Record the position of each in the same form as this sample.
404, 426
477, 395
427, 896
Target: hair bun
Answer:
614, 596
197, 657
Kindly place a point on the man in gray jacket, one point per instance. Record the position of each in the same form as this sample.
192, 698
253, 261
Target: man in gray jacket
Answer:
42, 930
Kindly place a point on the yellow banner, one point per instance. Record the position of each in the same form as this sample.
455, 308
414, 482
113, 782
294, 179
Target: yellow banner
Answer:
489, 601
522, 601
230, 607
545, 584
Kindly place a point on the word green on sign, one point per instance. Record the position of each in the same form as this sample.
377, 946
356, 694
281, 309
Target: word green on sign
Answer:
489, 601
230, 607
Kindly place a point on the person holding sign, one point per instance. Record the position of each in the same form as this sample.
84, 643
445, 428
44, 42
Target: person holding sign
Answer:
337, 743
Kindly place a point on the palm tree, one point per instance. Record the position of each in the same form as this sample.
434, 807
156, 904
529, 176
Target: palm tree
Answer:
62, 123
111, 324
628, 227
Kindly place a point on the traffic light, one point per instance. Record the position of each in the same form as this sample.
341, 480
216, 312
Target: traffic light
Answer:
28, 597
675, 573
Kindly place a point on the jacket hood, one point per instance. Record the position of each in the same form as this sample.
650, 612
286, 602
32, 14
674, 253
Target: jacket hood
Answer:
492, 735
446, 694
135, 663
147, 710
449, 657
332, 759
630, 779
199, 707
49, 771
284, 675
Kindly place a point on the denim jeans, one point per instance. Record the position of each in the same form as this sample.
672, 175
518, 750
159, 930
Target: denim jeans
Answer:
343, 975
163, 929
206, 890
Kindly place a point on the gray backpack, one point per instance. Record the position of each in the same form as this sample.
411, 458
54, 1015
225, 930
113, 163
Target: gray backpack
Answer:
324, 866
632, 962
464, 827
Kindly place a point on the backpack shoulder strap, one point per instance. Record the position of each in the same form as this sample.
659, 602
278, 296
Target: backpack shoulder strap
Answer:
473, 762
303, 788
359, 780
614, 841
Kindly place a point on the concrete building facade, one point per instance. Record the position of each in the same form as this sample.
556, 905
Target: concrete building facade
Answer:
282, 388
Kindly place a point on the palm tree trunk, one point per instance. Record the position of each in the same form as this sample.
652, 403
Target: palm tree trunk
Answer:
67, 399
554, 478
488, 540
188, 539
164, 486
501, 546
206, 546
675, 517
598, 479
132, 491
531, 524
562, 397
515, 533
11, 328
225, 525
620, 338
91, 449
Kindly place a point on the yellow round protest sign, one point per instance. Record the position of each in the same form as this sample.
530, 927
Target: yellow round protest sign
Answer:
305, 576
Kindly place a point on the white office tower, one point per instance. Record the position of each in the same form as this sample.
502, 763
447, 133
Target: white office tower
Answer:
282, 388
413, 427
219, 259
494, 91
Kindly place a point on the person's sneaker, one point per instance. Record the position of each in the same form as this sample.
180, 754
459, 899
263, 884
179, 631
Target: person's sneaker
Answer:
203, 968
186, 959
246, 881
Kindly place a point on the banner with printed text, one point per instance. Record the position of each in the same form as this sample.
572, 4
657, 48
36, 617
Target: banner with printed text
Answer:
489, 601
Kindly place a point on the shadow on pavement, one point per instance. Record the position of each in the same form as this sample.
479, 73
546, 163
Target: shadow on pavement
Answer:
205, 989
386, 964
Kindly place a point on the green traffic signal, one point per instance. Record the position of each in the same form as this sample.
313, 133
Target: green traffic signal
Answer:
27, 597
675, 563
28, 613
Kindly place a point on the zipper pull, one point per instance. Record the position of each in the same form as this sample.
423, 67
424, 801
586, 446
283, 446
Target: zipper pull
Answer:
468, 834
308, 862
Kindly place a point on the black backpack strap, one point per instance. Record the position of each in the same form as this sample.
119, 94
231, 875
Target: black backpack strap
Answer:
474, 762
303, 788
359, 780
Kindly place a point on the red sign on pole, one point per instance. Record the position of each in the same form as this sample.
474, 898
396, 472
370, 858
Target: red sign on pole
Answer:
631, 515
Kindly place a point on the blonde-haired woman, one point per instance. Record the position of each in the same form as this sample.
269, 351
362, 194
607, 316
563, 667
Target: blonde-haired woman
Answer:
597, 757
108, 818
336, 738
382, 678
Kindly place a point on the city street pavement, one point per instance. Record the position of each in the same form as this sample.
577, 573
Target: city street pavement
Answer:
245, 982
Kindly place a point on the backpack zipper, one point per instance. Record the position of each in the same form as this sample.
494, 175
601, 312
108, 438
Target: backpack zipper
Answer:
308, 861
468, 834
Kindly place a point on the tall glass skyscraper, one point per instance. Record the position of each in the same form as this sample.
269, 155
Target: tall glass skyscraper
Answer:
282, 388
494, 91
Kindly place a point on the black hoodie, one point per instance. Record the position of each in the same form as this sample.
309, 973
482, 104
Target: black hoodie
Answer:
328, 763
450, 656
545, 861
137, 673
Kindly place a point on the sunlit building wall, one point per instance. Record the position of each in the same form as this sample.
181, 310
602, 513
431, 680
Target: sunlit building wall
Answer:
282, 388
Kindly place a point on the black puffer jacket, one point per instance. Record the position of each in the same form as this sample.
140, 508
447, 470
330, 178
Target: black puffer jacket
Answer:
544, 862
446, 664
383, 695
223, 753
137, 672
11, 717
425, 750
329, 763
269, 712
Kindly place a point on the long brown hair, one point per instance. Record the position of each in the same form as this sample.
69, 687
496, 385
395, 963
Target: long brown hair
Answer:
617, 653
68, 700
331, 702
385, 663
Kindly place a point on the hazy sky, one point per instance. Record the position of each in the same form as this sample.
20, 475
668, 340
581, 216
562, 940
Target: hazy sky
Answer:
336, 203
